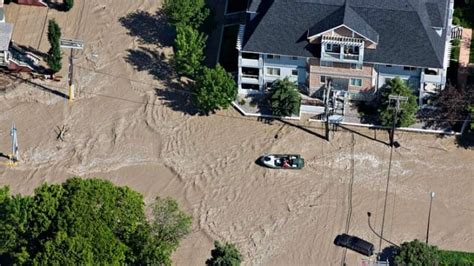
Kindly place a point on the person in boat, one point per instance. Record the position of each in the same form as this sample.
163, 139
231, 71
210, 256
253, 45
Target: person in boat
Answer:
286, 163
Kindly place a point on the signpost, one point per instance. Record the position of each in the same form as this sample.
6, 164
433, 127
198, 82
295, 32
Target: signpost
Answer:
73, 45
14, 155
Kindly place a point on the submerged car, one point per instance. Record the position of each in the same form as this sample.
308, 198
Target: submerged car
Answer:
282, 161
354, 243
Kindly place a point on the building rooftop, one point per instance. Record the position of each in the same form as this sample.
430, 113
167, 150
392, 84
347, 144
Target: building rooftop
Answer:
6, 30
404, 30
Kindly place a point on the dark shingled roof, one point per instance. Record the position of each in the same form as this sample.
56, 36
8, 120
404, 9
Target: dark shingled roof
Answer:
402, 28
345, 15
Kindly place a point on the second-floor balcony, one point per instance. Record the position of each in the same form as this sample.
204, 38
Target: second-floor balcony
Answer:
342, 49
331, 56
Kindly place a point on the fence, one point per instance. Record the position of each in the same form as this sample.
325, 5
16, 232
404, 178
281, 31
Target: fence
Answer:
456, 32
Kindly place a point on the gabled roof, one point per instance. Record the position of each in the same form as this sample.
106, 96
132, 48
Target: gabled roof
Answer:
345, 16
404, 28
434, 15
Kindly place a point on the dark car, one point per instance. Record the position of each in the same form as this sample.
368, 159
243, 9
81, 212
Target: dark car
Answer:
354, 243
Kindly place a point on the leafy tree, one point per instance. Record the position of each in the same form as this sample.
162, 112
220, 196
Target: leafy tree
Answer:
224, 255
54, 32
416, 253
189, 44
186, 12
453, 104
214, 89
285, 99
406, 115
170, 224
68, 4
54, 56
88, 222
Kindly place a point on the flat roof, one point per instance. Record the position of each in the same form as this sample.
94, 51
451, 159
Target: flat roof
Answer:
6, 30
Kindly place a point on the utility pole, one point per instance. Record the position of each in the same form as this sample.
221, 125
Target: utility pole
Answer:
432, 195
394, 102
14, 158
73, 45
326, 107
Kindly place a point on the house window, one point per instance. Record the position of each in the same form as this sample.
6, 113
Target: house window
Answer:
326, 64
409, 68
273, 71
274, 57
322, 79
388, 65
294, 72
294, 58
356, 82
356, 66
351, 49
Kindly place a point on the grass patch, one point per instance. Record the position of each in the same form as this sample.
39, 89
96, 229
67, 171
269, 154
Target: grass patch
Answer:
456, 50
447, 257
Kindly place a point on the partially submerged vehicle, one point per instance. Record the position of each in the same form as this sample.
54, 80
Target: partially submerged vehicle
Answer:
282, 161
352, 242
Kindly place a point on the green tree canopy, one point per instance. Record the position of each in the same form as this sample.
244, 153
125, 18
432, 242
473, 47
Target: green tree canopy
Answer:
189, 45
214, 89
54, 56
224, 255
416, 253
186, 12
285, 99
406, 116
68, 4
88, 222
54, 32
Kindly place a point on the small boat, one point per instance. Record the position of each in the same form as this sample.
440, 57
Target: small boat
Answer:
282, 161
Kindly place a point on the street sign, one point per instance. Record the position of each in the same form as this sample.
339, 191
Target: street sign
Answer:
72, 44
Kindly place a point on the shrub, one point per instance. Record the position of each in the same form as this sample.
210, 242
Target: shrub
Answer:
214, 89
189, 55
406, 115
54, 56
224, 255
68, 4
285, 99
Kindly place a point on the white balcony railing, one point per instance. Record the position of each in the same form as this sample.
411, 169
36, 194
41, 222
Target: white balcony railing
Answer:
250, 62
337, 57
250, 79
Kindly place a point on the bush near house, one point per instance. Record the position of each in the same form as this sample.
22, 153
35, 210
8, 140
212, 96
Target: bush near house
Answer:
416, 253
189, 44
406, 116
419, 253
285, 99
88, 222
463, 13
448, 257
68, 4
214, 89
186, 12
54, 56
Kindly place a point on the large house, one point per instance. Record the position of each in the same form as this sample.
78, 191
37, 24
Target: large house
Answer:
12, 56
353, 46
